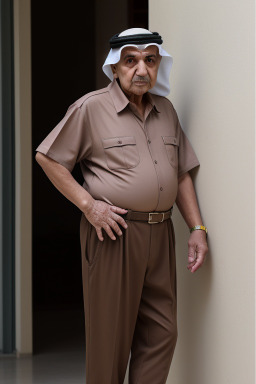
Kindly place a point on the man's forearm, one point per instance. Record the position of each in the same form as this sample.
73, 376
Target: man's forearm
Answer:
64, 182
187, 202
100, 214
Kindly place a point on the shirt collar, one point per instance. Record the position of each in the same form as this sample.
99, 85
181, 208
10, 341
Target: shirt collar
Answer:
151, 100
121, 101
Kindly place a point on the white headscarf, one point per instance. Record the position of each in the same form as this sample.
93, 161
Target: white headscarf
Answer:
162, 87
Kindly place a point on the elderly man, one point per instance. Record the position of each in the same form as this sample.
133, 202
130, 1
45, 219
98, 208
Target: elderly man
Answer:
135, 160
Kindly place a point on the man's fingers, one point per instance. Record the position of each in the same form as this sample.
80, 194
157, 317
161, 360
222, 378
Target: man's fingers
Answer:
115, 226
118, 209
196, 267
198, 262
191, 254
109, 231
99, 234
192, 262
120, 220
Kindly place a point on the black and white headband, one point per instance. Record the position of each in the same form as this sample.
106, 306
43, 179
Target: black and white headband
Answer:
119, 40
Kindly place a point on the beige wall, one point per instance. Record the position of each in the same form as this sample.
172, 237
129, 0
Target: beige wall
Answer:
212, 88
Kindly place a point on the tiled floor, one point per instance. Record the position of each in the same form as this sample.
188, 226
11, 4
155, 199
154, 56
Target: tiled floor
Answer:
59, 352
59, 357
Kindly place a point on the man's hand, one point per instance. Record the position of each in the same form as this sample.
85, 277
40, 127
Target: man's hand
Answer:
197, 250
100, 214
187, 203
103, 215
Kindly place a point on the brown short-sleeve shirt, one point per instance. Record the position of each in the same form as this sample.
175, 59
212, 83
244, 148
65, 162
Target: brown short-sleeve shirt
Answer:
125, 161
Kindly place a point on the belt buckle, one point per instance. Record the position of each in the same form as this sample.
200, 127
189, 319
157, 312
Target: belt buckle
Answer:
155, 213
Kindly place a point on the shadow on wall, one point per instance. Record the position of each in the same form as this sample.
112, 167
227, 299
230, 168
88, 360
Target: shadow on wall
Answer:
192, 301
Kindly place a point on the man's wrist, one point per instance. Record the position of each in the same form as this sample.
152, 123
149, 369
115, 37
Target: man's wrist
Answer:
86, 204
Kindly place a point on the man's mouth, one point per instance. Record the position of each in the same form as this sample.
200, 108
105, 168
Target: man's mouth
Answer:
140, 82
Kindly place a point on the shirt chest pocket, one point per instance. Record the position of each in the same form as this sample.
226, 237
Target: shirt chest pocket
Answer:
121, 152
171, 144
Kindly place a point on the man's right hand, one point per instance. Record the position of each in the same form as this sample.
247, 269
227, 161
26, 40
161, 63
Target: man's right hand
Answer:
100, 214
103, 215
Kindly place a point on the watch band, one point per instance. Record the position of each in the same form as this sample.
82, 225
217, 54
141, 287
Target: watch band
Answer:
202, 227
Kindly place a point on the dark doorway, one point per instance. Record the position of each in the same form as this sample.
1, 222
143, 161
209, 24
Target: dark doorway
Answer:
64, 54
61, 73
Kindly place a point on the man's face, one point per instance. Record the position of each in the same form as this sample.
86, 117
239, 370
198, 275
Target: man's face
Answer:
137, 70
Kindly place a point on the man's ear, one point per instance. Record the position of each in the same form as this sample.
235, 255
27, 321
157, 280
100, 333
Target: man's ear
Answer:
113, 67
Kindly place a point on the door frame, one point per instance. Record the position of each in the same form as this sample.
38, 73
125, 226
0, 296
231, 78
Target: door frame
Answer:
23, 177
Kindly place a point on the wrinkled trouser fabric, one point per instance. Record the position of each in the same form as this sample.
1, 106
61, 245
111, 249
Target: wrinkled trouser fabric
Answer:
130, 302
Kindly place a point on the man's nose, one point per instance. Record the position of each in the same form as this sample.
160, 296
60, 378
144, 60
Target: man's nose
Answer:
141, 69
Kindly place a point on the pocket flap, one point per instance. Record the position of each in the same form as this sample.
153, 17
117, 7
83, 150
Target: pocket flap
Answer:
170, 140
118, 141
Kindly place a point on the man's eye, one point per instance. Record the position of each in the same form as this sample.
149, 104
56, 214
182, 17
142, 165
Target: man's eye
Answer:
129, 61
150, 60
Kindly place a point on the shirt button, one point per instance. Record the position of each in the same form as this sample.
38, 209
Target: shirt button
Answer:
161, 188
149, 141
155, 162
119, 142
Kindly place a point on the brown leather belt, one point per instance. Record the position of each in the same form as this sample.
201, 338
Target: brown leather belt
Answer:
150, 217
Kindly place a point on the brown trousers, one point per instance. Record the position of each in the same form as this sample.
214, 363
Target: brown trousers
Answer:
130, 302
